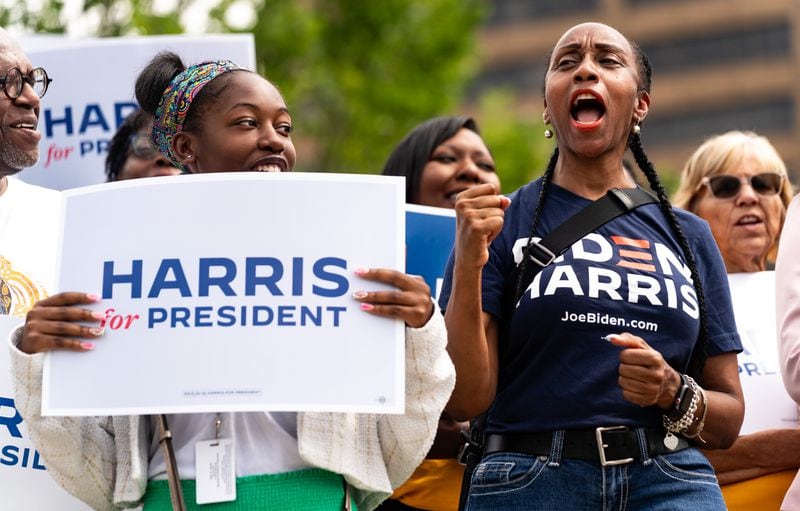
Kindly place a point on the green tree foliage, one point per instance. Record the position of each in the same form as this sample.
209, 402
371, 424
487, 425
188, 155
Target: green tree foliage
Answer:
515, 138
45, 19
114, 17
357, 75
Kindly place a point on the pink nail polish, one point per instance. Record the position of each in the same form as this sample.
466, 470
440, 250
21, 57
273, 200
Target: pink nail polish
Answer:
98, 315
360, 271
87, 345
358, 295
367, 306
97, 332
94, 297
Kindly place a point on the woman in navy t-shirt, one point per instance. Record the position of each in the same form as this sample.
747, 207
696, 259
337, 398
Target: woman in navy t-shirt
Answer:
620, 356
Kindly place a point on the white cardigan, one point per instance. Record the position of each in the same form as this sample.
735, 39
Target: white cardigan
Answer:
103, 460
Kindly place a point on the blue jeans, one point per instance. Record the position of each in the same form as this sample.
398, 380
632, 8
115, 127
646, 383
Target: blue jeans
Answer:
682, 480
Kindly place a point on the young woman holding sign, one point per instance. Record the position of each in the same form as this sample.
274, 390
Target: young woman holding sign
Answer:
215, 117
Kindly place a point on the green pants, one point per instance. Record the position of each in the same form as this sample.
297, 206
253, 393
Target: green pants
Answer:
305, 490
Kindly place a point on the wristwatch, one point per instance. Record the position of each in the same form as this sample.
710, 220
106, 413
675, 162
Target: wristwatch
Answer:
680, 403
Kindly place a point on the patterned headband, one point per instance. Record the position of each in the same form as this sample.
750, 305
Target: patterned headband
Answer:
176, 100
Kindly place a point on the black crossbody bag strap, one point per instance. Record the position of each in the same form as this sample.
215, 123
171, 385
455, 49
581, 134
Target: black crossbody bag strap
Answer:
614, 203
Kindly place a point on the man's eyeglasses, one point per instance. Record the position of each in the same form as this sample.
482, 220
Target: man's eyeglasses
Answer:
14, 81
142, 146
726, 186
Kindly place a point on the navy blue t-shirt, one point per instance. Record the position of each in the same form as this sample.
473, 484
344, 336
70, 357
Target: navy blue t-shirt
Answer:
630, 275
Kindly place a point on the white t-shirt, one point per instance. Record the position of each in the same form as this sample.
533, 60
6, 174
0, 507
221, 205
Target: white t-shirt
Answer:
265, 443
29, 219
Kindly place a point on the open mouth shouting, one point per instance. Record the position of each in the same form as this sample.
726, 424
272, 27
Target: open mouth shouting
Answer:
586, 110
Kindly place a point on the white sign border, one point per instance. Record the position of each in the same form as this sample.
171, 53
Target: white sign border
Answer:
399, 329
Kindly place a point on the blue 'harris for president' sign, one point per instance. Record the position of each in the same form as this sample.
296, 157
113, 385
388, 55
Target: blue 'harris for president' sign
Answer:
429, 239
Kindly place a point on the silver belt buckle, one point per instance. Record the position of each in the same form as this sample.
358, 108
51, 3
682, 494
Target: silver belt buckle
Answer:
601, 446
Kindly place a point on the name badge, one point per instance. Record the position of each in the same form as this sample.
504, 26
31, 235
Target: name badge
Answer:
215, 464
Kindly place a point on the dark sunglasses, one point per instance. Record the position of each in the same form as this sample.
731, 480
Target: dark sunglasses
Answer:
14, 81
142, 146
726, 186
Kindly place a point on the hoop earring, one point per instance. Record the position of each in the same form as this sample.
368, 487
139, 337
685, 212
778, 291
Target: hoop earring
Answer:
548, 133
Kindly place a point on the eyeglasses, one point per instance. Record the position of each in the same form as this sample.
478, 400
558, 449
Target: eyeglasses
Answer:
726, 186
14, 81
142, 146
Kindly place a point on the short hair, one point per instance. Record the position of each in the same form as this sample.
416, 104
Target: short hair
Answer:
412, 153
720, 152
119, 147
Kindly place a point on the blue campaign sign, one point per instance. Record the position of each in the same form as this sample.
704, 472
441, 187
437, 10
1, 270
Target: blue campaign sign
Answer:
429, 239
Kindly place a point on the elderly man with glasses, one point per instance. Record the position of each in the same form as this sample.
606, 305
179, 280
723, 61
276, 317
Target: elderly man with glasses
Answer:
27, 213
28, 236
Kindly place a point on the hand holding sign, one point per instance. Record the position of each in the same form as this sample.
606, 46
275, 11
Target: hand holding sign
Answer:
411, 302
58, 323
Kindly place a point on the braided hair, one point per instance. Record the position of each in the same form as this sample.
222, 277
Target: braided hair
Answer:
700, 350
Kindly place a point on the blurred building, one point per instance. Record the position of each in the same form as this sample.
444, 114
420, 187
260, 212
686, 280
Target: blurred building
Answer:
717, 64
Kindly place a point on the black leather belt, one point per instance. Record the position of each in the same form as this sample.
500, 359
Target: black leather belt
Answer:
614, 445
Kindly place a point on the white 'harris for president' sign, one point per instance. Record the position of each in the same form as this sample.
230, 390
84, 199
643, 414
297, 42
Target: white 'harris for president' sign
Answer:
231, 292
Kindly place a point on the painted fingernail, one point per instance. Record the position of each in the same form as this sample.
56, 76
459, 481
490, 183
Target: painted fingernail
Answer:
87, 345
93, 297
367, 306
98, 315
360, 271
358, 295
97, 332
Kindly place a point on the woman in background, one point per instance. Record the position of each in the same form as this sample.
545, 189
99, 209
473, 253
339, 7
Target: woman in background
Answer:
737, 182
131, 152
439, 158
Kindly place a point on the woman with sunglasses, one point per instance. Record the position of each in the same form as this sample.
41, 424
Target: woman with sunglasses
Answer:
737, 182
131, 152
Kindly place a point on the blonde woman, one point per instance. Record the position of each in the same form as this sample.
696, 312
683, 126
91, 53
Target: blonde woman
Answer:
737, 182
